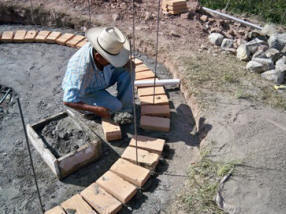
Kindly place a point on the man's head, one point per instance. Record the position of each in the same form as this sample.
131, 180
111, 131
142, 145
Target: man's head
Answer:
100, 59
110, 44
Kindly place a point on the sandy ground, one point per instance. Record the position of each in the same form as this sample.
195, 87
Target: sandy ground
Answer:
35, 71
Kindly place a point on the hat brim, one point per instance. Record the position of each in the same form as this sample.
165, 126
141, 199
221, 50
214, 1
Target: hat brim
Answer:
118, 60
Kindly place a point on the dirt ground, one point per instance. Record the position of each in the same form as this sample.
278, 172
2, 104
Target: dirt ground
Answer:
237, 126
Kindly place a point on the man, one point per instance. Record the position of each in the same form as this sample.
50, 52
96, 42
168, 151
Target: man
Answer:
96, 66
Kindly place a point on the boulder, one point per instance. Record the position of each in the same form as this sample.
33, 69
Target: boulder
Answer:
259, 54
274, 75
277, 41
268, 30
273, 54
216, 38
254, 66
243, 53
227, 43
281, 64
260, 65
254, 44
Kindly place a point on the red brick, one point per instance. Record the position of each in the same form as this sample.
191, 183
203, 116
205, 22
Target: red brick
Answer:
19, 35
155, 123
100, 200
64, 38
7, 36
117, 186
31, 35
82, 43
53, 37
42, 36
150, 144
145, 158
159, 100
156, 110
56, 210
111, 130
147, 91
77, 205
144, 75
131, 172
75, 40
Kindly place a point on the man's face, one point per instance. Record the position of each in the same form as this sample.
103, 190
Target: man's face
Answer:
100, 59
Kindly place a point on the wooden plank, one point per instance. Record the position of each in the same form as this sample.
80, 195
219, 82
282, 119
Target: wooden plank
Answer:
156, 110
155, 123
138, 61
82, 43
147, 91
75, 40
45, 153
100, 200
56, 210
42, 36
142, 67
111, 130
19, 35
7, 36
64, 38
31, 35
131, 172
77, 205
145, 158
144, 75
53, 37
150, 144
116, 186
159, 100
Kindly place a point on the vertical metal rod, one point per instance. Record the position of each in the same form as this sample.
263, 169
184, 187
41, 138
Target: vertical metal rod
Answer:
89, 13
30, 155
157, 45
134, 77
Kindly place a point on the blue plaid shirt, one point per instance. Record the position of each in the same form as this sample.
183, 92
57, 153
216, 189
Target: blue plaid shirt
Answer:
82, 77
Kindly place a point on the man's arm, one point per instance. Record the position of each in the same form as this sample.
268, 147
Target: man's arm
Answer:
98, 110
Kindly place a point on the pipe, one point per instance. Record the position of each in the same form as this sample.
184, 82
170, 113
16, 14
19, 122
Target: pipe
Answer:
164, 82
233, 18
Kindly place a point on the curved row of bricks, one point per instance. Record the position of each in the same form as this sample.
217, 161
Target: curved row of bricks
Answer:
118, 185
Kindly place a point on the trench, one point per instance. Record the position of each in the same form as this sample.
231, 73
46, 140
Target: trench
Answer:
35, 72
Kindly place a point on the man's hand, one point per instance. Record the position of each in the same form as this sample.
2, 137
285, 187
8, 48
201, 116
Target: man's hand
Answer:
98, 110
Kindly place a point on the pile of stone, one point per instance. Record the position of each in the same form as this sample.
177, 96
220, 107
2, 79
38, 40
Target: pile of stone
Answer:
265, 51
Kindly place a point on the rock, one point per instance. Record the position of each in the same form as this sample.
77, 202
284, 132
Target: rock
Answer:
204, 18
254, 44
259, 54
227, 43
260, 65
216, 38
277, 41
115, 17
148, 16
274, 75
268, 30
273, 54
184, 16
281, 64
175, 34
284, 50
242, 53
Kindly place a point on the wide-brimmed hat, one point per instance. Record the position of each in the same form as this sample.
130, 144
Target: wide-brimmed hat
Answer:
110, 43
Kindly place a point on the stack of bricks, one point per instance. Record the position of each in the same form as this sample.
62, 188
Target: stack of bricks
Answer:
68, 39
155, 109
120, 183
174, 6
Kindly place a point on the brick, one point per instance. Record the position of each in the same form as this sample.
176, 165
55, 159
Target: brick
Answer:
82, 43
100, 200
138, 61
147, 91
144, 75
53, 37
77, 205
131, 172
145, 158
62, 40
156, 110
56, 210
31, 35
155, 123
150, 144
117, 186
159, 100
141, 68
7, 36
111, 130
42, 36
19, 35
75, 40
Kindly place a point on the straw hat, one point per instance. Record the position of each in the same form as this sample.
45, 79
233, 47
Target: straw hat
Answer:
110, 43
